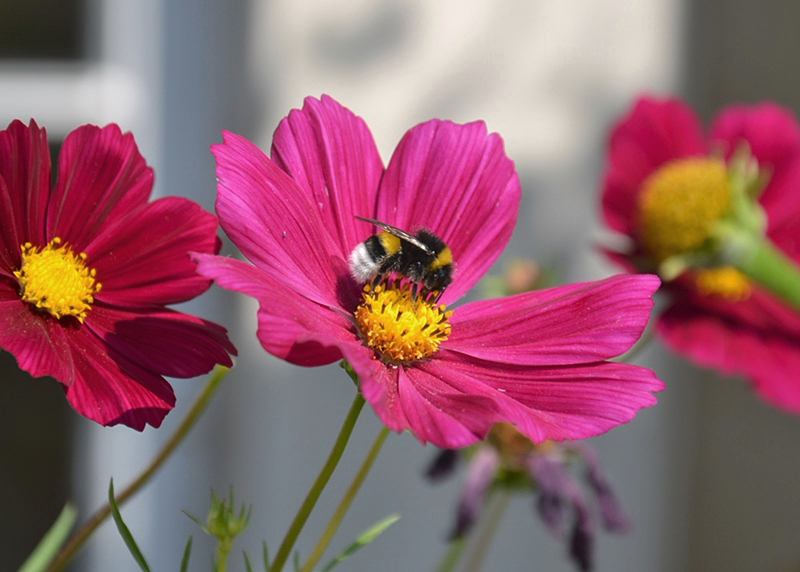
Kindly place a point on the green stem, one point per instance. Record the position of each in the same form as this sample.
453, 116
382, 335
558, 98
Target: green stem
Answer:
81, 535
316, 489
452, 555
344, 504
767, 266
223, 549
487, 529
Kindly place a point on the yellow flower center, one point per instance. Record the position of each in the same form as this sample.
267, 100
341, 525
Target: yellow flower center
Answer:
724, 282
678, 205
399, 329
57, 281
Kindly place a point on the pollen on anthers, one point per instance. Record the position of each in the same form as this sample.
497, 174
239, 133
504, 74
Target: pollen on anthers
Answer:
399, 328
55, 280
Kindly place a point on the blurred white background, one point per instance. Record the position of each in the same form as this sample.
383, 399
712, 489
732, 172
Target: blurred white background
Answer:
708, 475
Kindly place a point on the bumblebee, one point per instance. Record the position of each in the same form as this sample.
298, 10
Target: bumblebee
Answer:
423, 258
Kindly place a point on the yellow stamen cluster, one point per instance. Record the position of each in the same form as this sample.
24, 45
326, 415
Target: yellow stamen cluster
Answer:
678, 205
399, 329
723, 282
56, 280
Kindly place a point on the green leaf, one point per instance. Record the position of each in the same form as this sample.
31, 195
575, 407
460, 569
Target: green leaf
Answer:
247, 564
186, 552
52, 541
199, 524
366, 537
124, 532
265, 554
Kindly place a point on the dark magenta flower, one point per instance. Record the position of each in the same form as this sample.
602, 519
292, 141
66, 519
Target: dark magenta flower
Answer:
666, 184
87, 268
537, 360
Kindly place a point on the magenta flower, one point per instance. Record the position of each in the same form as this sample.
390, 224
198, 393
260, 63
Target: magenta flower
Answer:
537, 360
659, 155
87, 267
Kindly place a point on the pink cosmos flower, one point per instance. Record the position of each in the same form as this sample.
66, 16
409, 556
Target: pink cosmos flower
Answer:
716, 317
87, 268
537, 360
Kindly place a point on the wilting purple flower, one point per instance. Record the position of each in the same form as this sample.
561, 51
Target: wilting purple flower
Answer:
508, 460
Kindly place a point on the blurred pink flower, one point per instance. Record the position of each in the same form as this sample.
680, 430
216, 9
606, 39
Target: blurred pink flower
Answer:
537, 360
87, 268
716, 317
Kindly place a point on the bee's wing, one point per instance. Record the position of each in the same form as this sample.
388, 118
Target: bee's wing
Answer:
397, 232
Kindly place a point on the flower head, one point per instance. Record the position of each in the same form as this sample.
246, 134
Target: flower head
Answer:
507, 460
87, 268
670, 187
537, 360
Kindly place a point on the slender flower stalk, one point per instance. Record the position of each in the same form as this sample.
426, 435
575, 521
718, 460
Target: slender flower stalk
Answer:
453, 554
344, 504
487, 528
197, 408
319, 484
767, 266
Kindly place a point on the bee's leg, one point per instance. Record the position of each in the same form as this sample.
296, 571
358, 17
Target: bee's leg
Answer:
375, 282
414, 292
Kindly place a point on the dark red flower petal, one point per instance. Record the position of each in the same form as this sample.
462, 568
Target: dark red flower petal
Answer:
142, 258
101, 176
24, 189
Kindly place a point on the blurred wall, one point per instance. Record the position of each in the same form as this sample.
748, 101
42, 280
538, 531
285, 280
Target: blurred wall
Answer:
705, 475
746, 502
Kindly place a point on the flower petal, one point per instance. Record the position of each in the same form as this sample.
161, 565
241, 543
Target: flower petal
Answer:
547, 403
290, 326
783, 209
480, 474
165, 342
435, 409
455, 181
757, 338
143, 257
773, 136
37, 342
274, 223
770, 132
442, 465
615, 519
101, 175
578, 323
105, 389
331, 155
24, 189
553, 483
655, 131
110, 389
